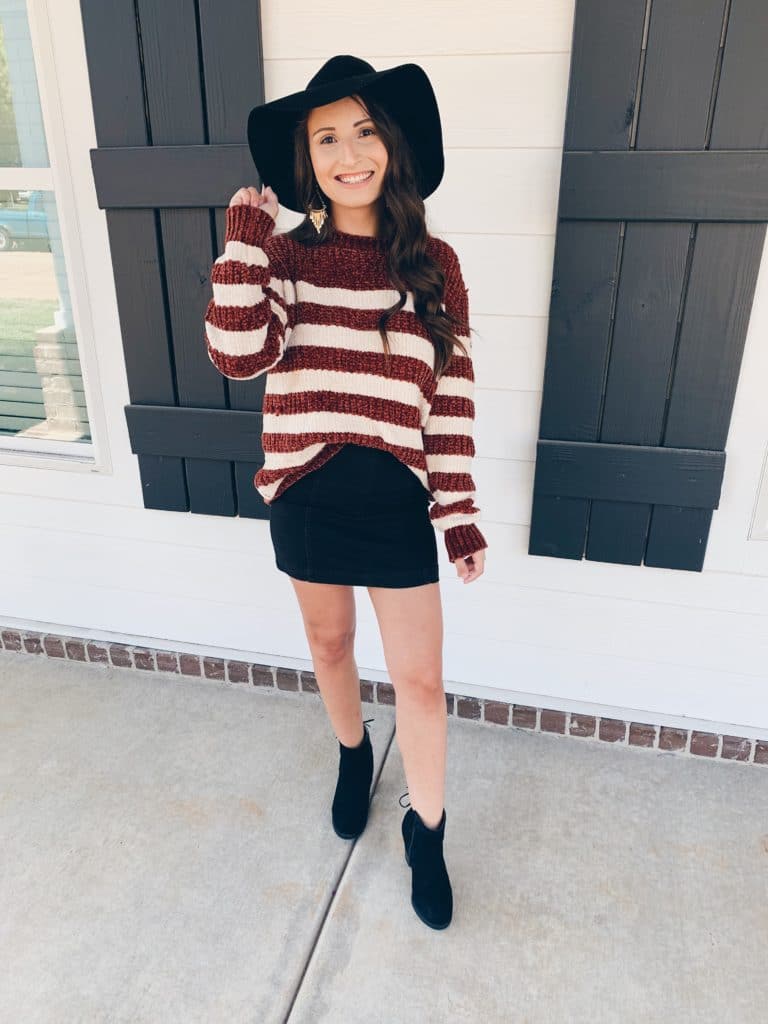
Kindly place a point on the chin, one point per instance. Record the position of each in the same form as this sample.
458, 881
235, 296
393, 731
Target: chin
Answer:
353, 199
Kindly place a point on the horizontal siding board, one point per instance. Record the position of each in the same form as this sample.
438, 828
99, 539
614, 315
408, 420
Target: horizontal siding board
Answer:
521, 613
528, 113
93, 526
296, 29
670, 674
517, 612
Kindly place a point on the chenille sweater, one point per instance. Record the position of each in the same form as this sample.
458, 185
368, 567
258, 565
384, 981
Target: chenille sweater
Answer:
307, 317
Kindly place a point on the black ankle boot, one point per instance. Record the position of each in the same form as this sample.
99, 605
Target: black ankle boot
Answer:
431, 893
349, 811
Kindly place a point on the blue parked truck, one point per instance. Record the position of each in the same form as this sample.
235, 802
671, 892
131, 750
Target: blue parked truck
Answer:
23, 220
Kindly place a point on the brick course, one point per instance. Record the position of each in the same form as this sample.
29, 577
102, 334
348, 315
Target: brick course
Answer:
495, 713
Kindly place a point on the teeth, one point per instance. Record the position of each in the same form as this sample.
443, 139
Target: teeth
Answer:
351, 179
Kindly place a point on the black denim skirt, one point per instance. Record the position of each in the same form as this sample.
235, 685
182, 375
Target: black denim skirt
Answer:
360, 519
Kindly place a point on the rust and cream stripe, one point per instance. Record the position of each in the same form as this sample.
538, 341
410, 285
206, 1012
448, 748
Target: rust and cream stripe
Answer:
310, 317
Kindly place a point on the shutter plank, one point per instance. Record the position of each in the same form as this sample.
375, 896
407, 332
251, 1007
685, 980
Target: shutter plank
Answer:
601, 95
175, 106
577, 351
234, 82
642, 353
726, 259
114, 68
681, 62
162, 170
724, 272
643, 356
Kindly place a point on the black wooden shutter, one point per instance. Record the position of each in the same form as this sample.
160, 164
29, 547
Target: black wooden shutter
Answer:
661, 222
172, 84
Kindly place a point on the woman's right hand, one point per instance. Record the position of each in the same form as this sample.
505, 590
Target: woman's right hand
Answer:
250, 196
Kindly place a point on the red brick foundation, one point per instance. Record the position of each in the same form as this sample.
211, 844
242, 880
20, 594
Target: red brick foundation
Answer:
492, 712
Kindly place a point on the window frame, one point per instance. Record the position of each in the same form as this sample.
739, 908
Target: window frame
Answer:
57, 43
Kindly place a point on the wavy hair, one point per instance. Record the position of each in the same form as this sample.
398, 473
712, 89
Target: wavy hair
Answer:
402, 225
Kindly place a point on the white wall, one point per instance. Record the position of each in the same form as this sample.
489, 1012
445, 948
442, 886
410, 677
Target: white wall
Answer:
82, 555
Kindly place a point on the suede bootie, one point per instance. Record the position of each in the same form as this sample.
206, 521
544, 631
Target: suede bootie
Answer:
431, 893
349, 811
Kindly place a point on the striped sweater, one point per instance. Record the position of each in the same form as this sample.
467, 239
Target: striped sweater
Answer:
308, 318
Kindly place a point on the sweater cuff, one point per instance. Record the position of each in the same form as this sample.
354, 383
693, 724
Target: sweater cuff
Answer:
249, 224
462, 541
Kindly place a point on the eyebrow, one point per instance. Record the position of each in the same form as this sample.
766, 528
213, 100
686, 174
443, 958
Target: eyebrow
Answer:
331, 129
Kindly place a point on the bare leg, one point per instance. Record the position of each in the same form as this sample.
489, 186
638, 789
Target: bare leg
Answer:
329, 623
411, 624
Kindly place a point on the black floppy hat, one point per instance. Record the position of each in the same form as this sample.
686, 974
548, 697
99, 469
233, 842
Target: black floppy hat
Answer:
404, 91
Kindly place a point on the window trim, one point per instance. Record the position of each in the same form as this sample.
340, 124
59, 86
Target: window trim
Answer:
57, 42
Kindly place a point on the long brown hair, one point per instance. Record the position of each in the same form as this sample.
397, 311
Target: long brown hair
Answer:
402, 225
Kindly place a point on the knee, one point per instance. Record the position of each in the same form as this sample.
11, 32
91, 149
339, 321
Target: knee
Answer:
426, 688
331, 645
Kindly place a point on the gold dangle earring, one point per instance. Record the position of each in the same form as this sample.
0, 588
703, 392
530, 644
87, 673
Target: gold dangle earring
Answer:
318, 215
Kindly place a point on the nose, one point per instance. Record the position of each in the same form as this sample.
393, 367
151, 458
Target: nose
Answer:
349, 152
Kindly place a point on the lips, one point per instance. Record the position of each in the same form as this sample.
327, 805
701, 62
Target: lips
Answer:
356, 179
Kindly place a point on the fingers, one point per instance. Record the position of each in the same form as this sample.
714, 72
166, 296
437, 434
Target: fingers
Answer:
471, 567
250, 195
265, 199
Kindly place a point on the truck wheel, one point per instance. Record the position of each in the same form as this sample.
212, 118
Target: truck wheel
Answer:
5, 241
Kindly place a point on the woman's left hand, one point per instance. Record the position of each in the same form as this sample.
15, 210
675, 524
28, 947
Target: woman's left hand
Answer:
471, 567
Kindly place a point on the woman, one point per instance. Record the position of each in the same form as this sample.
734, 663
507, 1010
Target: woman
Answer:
360, 319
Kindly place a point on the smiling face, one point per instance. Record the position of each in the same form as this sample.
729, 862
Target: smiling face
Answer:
348, 157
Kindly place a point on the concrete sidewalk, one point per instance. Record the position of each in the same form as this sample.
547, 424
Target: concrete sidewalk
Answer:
168, 857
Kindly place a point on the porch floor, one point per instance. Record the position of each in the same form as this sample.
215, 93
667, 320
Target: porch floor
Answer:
168, 856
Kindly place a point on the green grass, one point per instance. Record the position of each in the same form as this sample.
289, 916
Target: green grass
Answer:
20, 318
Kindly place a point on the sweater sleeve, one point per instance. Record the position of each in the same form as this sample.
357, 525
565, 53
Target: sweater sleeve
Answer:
247, 320
448, 442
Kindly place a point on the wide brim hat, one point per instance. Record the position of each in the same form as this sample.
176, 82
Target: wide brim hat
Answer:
404, 91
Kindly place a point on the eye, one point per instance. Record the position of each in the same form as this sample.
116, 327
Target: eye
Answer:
371, 130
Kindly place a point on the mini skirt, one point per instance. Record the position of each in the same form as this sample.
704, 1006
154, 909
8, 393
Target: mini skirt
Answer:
359, 519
